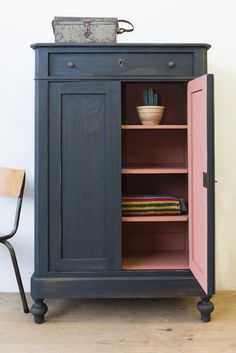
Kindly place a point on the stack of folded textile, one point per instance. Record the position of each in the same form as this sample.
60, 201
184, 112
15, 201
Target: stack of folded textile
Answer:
152, 205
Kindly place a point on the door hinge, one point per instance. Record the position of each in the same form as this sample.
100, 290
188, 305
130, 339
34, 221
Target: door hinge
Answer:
206, 180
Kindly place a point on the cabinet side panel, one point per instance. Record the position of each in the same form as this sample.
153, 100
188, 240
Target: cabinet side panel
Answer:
41, 177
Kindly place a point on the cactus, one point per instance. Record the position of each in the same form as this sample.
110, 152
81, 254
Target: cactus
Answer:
150, 97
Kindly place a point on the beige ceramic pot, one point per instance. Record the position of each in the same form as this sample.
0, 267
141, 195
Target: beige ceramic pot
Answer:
150, 114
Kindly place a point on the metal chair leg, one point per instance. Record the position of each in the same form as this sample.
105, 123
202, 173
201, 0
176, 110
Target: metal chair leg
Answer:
18, 276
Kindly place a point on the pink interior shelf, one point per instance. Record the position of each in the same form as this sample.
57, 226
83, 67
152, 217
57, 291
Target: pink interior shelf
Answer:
154, 170
152, 260
180, 218
146, 127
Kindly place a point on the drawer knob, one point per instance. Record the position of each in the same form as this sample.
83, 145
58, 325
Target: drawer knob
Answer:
70, 64
171, 64
121, 62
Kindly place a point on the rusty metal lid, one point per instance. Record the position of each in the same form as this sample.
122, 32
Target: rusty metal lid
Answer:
75, 20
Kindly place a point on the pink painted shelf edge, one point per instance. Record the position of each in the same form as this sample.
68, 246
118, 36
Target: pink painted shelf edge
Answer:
181, 218
146, 127
162, 170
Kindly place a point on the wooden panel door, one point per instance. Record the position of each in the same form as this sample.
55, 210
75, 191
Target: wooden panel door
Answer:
201, 180
84, 176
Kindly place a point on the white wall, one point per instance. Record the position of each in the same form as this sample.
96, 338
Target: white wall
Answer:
25, 22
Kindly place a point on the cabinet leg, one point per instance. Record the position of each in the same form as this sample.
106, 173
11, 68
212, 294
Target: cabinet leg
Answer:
205, 306
38, 310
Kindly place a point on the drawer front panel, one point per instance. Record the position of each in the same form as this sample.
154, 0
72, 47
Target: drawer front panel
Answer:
109, 64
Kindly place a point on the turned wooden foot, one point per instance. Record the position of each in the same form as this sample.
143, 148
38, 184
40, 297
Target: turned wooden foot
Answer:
205, 306
38, 310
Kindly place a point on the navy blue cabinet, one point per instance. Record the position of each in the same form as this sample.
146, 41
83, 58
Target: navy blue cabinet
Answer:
89, 151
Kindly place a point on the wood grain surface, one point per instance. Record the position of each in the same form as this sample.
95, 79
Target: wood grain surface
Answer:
115, 326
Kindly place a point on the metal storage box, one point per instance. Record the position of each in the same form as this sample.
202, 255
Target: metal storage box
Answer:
88, 29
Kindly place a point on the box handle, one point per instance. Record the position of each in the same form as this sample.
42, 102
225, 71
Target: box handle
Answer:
122, 30
53, 26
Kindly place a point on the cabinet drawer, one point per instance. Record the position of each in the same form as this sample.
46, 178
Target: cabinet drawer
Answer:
110, 64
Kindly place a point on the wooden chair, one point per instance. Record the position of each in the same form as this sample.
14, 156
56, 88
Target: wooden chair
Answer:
12, 182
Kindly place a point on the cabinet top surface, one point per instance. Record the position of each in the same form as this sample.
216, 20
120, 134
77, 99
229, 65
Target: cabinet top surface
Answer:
120, 45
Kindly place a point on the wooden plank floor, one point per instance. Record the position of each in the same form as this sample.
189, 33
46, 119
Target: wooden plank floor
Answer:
124, 326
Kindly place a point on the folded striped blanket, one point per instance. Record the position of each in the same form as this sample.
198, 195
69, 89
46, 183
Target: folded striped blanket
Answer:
152, 205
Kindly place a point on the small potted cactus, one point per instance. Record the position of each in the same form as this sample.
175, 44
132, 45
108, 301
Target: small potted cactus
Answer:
151, 112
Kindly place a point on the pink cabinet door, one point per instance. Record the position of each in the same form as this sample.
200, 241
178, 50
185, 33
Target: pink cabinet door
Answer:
201, 180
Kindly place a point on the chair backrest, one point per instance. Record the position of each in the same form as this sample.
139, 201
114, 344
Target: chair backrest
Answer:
11, 182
